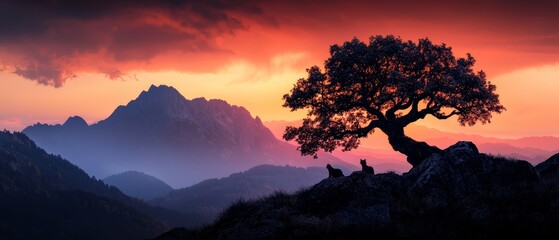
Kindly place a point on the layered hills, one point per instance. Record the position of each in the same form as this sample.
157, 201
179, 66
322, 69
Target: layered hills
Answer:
210, 197
44, 196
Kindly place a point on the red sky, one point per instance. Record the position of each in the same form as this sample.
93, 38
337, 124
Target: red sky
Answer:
64, 57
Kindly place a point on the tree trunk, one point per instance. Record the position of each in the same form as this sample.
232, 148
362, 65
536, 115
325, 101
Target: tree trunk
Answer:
416, 151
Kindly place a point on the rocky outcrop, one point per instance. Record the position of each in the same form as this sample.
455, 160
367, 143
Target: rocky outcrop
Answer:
549, 170
455, 194
461, 172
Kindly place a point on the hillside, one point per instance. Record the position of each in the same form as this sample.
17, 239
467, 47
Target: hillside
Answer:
177, 140
458, 194
139, 185
45, 196
211, 197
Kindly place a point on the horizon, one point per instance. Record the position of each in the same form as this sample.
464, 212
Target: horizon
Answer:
375, 147
63, 62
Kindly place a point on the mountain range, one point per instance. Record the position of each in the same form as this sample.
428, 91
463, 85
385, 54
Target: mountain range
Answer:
179, 141
183, 142
379, 153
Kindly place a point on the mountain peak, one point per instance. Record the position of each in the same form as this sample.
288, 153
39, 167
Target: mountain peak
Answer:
161, 91
75, 122
160, 87
156, 101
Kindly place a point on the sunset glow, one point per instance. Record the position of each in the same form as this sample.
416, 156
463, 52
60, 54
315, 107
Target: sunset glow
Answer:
87, 60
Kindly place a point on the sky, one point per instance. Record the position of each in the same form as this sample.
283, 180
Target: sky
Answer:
60, 58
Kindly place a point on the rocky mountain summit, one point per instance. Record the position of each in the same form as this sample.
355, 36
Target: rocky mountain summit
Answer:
457, 194
177, 140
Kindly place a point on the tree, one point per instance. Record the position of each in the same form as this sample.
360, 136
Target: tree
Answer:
387, 85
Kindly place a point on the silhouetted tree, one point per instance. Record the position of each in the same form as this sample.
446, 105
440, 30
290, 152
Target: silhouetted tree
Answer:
387, 84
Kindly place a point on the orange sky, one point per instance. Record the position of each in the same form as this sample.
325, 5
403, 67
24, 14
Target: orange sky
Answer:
87, 57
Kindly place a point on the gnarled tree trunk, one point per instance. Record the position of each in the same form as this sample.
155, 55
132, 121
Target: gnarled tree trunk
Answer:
416, 151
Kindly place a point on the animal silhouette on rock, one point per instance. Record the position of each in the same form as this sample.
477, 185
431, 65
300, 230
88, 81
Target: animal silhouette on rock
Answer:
334, 172
365, 168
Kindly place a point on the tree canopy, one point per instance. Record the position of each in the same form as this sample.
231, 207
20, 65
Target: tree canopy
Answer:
387, 84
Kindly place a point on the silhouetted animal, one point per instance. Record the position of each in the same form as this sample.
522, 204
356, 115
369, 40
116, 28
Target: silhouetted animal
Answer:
365, 168
334, 172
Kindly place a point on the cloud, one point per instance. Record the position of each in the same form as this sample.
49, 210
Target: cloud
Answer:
59, 39
45, 71
86, 33
112, 73
278, 65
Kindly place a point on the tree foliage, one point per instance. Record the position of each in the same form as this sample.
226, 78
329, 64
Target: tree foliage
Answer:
386, 84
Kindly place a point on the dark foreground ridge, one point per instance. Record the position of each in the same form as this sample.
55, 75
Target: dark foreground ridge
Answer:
456, 194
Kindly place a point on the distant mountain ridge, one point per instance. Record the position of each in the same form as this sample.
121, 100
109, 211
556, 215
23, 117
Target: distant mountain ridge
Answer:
139, 185
379, 153
174, 139
212, 196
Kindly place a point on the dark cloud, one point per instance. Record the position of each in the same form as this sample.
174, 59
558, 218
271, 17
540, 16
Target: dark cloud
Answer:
143, 42
57, 39
511, 34
43, 32
46, 71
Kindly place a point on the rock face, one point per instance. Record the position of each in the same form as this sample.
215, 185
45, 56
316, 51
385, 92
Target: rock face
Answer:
456, 194
461, 172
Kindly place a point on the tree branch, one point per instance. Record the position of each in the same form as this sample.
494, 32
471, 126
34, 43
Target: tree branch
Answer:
415, 115
391, 113
442, 116
375, 112
360, 132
